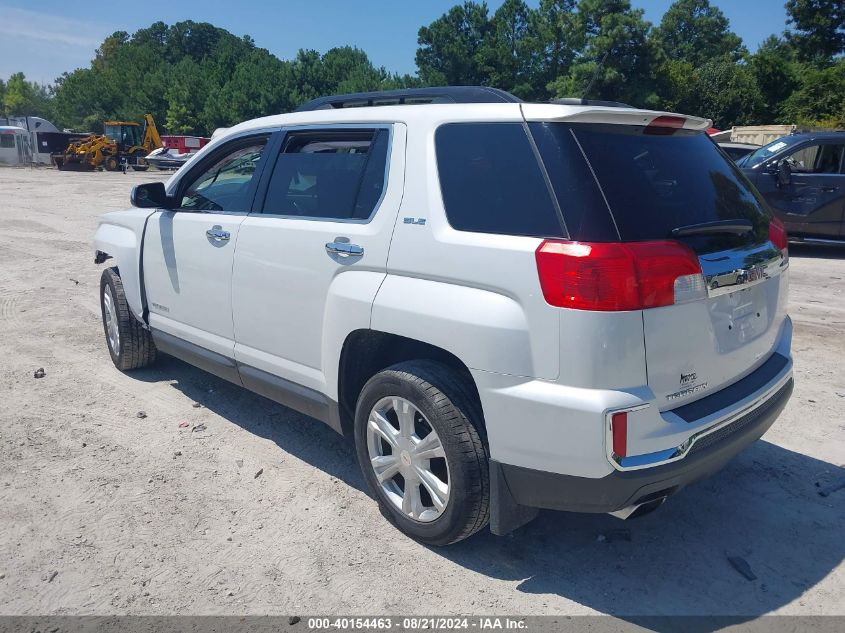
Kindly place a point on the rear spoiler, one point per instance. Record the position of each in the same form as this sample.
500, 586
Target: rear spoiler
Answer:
611, 115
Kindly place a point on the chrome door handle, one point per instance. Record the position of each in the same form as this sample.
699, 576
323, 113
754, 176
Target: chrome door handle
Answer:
217, 234
345, 249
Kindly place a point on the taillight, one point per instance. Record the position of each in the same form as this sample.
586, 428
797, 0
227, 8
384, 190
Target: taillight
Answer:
617, 276
619, 432
778, 236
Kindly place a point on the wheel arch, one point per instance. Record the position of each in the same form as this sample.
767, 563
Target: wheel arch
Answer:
119, 237
366, 352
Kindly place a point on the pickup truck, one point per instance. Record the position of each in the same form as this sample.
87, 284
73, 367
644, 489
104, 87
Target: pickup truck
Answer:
507, 306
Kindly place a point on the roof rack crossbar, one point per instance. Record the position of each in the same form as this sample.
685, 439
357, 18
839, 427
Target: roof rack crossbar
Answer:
412, 96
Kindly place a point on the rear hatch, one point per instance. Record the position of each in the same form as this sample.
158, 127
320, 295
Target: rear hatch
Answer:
681, 211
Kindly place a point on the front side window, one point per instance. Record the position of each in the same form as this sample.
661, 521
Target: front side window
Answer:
113, 132
332, 174
7, 140
816, 159
226, 185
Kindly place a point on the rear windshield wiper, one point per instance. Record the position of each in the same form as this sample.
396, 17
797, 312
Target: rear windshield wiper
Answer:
737, 227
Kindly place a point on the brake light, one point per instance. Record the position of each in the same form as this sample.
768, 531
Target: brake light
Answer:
778, 236
617, 276
619, 431
664, 125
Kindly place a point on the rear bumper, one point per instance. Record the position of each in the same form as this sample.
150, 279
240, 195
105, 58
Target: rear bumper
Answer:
515, 489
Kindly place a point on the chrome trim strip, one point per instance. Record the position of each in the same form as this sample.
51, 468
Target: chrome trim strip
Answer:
731, 270
816, 240
669, 455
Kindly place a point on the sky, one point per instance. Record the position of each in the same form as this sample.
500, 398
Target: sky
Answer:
47, 38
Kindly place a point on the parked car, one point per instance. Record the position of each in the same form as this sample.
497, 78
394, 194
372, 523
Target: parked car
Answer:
507, 306
737, 150
802, 177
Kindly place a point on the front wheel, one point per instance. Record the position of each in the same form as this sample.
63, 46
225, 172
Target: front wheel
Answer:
129, 344
419, 446
111, 163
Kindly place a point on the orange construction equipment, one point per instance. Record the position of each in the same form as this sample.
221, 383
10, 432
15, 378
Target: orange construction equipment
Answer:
123, 143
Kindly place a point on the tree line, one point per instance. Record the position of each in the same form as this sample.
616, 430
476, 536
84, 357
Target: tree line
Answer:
194, 77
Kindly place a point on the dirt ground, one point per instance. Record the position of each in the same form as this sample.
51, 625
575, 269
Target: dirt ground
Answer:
104, 511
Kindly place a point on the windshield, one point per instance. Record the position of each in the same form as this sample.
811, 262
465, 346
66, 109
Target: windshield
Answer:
124, 135
767, 151
640, 185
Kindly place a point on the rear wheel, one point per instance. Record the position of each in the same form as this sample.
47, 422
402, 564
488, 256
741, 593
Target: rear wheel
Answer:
421, 452
129, 344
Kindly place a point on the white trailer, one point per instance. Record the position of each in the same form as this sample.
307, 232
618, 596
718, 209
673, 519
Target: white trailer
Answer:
15, 146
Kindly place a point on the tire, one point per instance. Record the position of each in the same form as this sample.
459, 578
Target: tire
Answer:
447, 407
134, 347
111, 163
138, 163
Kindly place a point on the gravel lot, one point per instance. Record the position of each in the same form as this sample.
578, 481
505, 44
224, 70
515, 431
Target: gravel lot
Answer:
104, 511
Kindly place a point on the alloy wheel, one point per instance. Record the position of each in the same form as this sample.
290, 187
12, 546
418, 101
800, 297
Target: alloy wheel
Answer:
408, 459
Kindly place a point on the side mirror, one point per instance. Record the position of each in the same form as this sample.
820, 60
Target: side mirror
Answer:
150, 195
784, 174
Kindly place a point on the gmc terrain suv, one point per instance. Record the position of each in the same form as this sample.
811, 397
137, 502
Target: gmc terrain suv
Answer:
509, 306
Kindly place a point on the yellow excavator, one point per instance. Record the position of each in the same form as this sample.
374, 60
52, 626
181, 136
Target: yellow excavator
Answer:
124, 143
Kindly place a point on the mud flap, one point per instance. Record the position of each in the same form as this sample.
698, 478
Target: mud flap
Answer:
506, 515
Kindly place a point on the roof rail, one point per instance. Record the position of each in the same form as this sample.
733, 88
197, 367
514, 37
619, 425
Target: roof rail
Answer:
590, 102
412, 96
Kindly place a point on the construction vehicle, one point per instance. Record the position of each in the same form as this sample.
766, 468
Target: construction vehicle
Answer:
124, 143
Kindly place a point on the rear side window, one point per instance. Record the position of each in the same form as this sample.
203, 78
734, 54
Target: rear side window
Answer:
333, 174
491, 181
650, 183
7, 140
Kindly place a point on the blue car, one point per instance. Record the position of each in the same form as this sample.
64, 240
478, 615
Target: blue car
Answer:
802, 177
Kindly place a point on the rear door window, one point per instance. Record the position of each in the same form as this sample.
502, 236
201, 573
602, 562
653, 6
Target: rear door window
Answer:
332, 174
492, 182
649, 183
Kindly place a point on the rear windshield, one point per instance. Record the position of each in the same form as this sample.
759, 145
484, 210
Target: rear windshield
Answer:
645, 184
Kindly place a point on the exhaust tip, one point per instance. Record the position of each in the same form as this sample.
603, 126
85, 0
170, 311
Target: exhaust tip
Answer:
638, 509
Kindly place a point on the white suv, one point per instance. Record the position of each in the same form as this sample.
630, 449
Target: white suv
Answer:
509, 306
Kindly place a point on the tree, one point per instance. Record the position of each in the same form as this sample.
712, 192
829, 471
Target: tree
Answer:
819, 100
505, 51
255, 89
550, 44
617, 60
450, 47
186, 96
818, 32
776, 72
694, 31
727, 93
348, 69
27, 98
